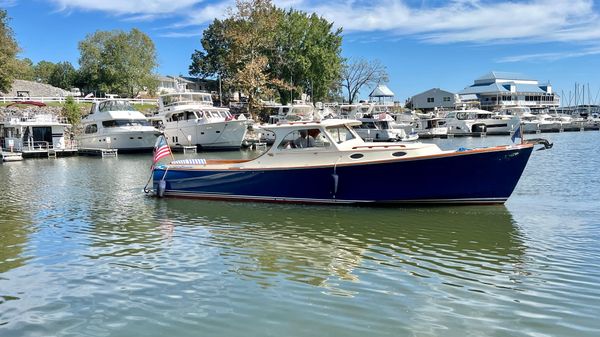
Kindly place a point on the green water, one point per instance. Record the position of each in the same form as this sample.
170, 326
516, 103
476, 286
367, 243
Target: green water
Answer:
83, 252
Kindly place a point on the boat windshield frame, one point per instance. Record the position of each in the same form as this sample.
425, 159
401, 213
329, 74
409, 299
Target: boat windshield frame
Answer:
115, 105
335, 137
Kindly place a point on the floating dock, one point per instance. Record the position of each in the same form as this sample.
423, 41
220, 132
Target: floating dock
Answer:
98, 152
10, 156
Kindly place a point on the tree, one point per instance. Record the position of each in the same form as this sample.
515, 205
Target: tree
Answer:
357, 74
306, 56
43, 70
250, 33
118, 62
259, 48
211, 61
63, 76
8, 53
24, 69
71, 111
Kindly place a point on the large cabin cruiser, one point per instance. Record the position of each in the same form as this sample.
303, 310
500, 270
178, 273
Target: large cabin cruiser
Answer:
327, 162
384, 128
377, 122
191, 119
115, 124
480, 121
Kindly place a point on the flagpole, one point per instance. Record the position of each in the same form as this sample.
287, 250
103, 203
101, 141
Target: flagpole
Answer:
167, 141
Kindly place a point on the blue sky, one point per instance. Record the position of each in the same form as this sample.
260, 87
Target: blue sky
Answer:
424, 44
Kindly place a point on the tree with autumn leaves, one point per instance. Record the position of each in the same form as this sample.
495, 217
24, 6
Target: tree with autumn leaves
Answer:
262, 51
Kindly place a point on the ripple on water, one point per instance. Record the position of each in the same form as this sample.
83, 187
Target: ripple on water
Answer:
92, 256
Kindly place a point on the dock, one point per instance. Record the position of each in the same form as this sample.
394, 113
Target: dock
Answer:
47, 152
98, 152
10, 156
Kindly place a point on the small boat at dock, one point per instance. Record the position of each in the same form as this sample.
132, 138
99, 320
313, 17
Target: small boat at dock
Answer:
327, 162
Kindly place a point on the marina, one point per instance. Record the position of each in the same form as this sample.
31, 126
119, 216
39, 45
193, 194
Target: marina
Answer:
267, 168
175, 266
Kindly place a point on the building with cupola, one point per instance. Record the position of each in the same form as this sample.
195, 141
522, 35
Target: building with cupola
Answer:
497, 90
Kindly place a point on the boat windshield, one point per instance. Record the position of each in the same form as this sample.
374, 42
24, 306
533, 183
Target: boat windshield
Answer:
340, 133
204, 98
107, 106
125, 122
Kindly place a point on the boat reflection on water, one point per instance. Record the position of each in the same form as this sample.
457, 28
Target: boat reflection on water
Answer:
325, 246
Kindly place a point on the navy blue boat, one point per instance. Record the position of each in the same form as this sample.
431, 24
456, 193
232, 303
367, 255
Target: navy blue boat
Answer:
327, 162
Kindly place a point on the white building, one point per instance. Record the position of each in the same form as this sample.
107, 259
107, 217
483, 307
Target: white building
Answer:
433, 99
501, 89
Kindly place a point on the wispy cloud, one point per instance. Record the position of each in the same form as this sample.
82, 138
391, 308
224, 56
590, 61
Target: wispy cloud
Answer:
7, 3
181, 34
138, 7
554, 56
433, 21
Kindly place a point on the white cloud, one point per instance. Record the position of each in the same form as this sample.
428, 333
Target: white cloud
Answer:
121, 7
553, 56
433, 21
7, 3
469, 21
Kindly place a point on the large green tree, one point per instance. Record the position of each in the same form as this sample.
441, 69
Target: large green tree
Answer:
118, 62
259, 48
8, 53
306, 55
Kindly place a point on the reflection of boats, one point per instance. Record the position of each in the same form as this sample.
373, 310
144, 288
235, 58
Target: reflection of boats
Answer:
332, 167
115, 124
191, 119
320, 246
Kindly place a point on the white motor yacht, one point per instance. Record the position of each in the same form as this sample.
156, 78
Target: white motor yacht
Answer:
115, 124
191, 119
475, 120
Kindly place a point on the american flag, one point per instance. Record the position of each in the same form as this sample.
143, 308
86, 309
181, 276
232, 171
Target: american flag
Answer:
161, 149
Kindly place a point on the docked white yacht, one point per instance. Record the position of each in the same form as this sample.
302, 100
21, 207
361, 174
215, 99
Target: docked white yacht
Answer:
475, 120
377, 122
115, 124
191, 119
383, 128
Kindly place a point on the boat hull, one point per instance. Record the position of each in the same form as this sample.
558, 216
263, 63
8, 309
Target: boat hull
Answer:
124, 140
481, 176
209, 136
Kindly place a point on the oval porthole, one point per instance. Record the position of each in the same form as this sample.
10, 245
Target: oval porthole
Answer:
399, 154
356, 155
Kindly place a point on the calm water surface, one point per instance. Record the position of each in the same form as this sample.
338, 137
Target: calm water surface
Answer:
83, 252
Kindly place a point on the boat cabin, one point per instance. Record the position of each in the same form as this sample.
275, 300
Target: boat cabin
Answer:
33, 132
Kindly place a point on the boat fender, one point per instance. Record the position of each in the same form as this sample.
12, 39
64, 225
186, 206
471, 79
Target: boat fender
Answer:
162, 186
336, 180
